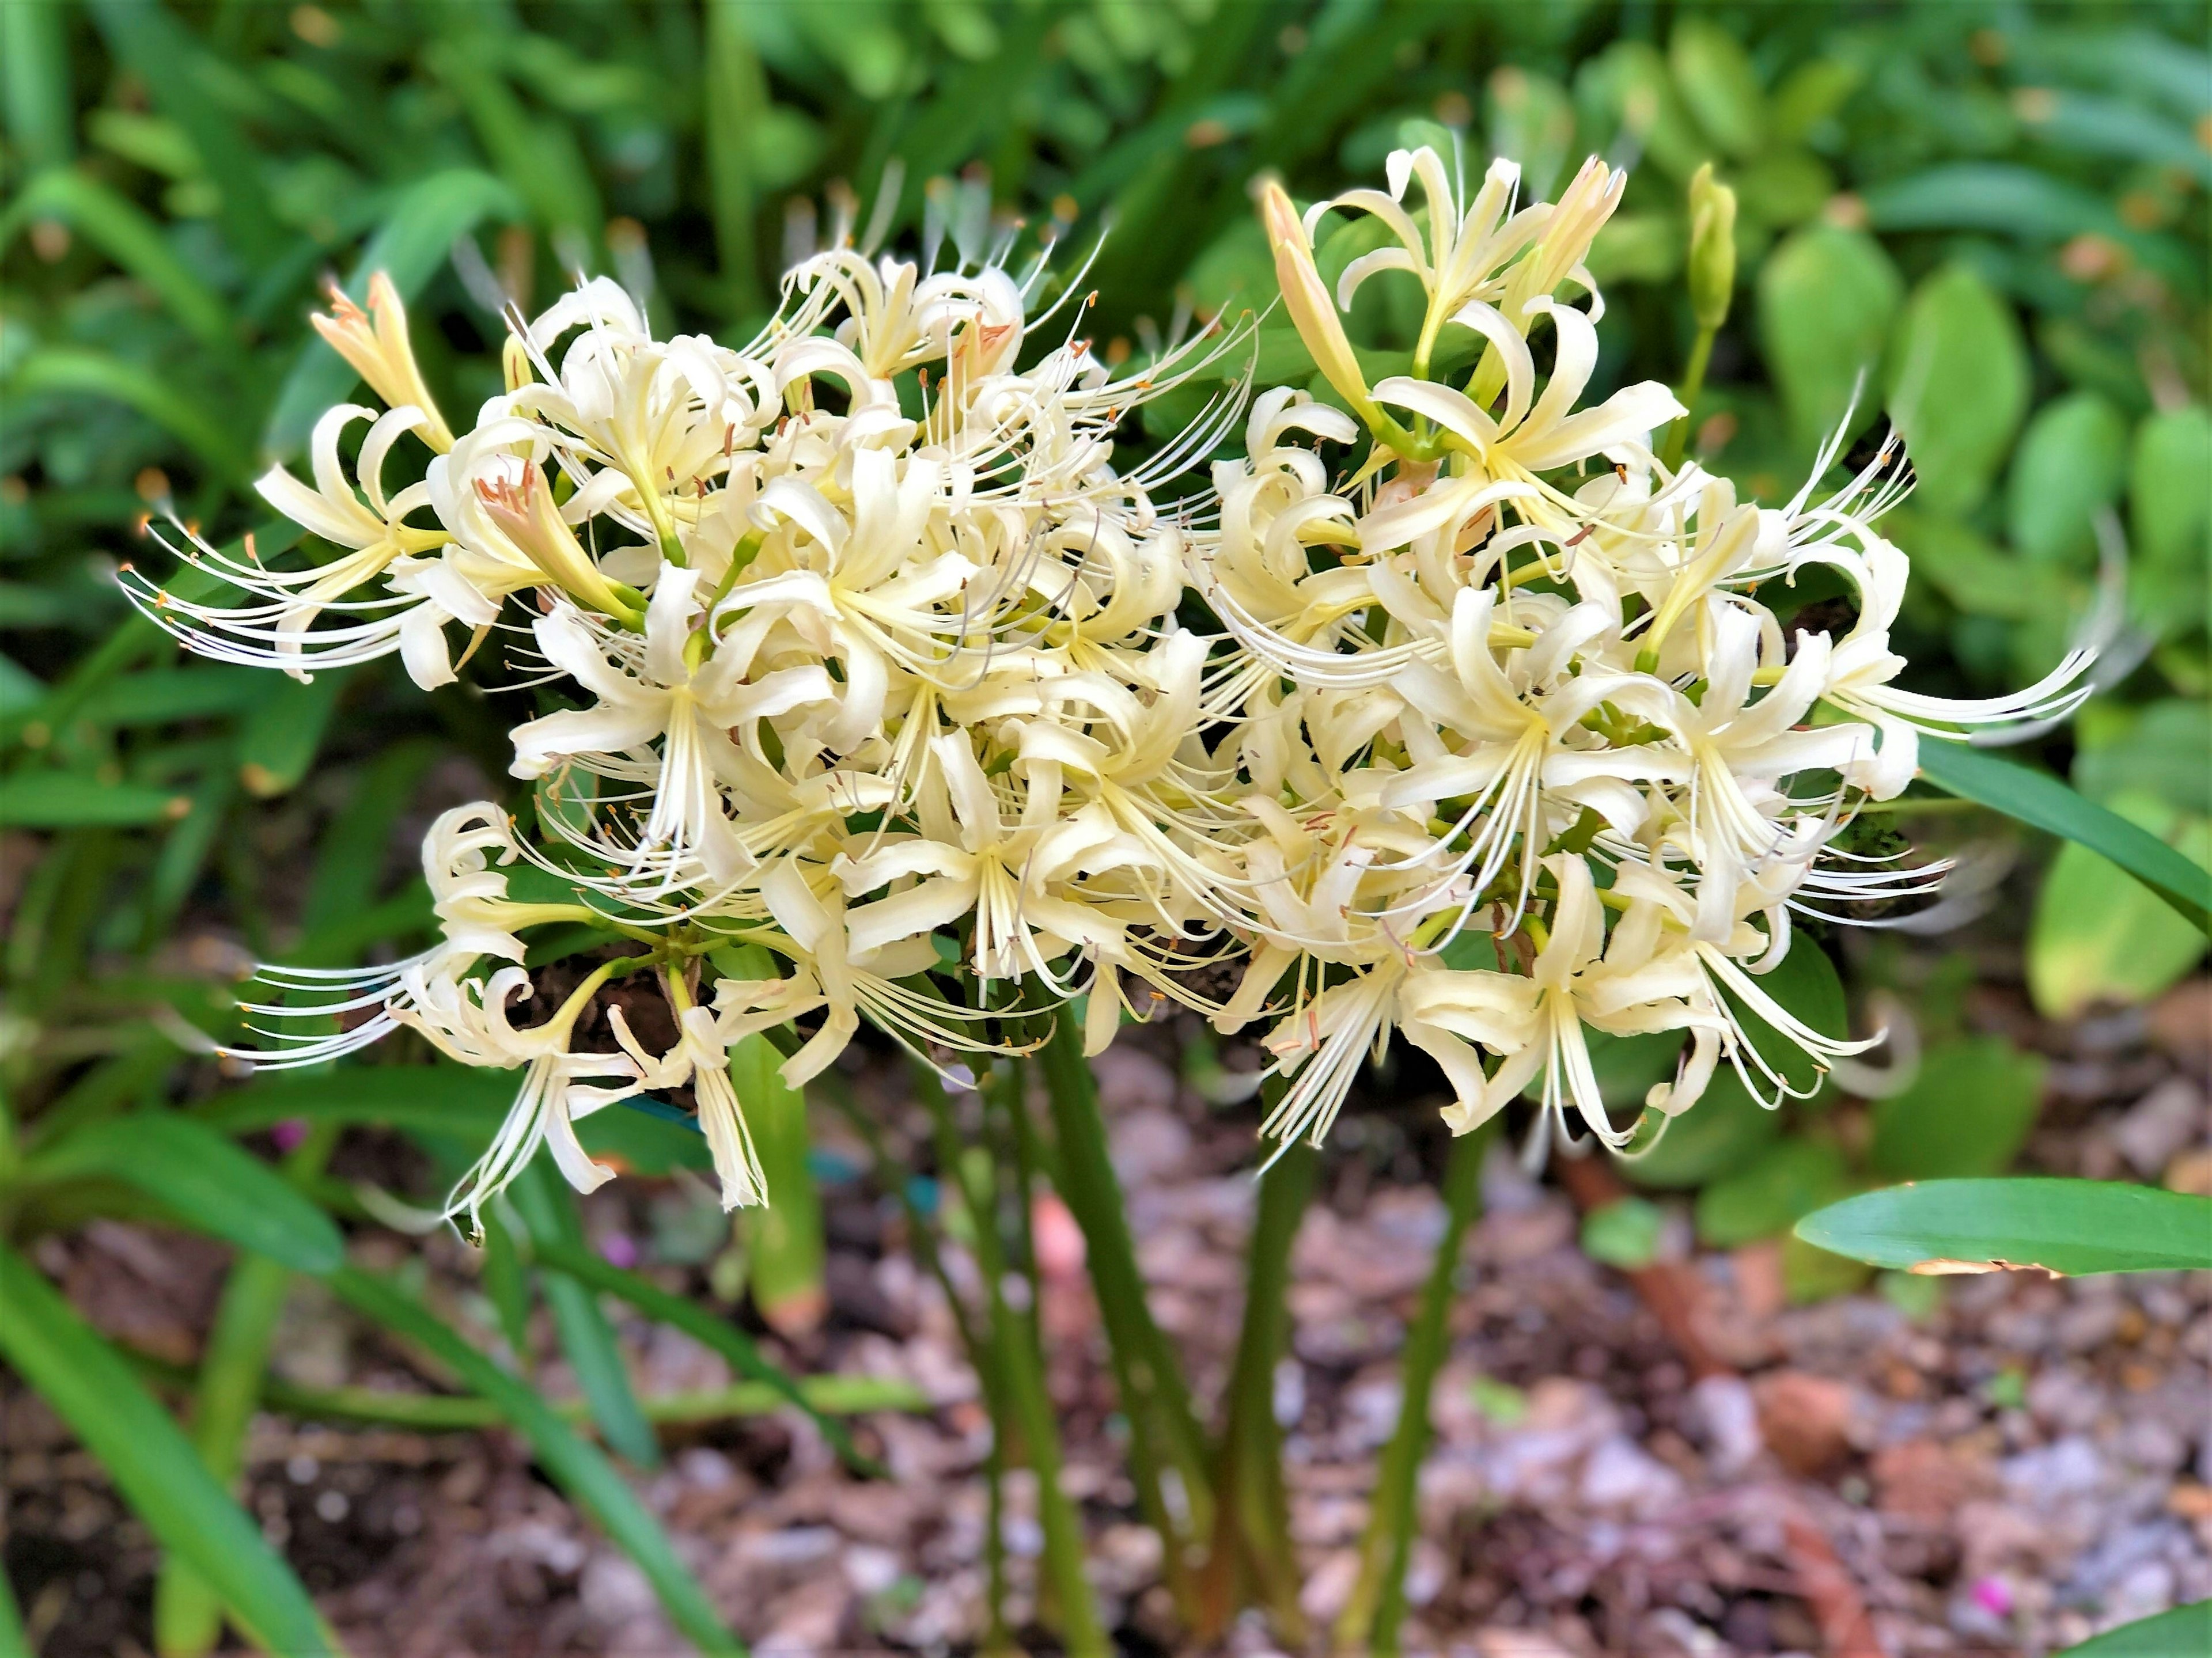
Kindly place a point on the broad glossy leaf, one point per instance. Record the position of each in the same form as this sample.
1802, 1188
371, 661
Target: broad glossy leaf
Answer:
411, 245
1958, 385
2184, 1632
1826, 298
1785, 1182
1784, 187
152, 1463
1714, 75
1967, 1112
66, 799
579, 1469
209, 1183
2071, 461
2071, 1226
2168, 505
1624, 1233
2100, 936
2044, 802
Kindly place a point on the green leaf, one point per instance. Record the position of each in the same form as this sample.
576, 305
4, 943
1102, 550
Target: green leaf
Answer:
1768, 1195
35, 74
1717, 80
160, 695
2000, 196
279, 739
80, 370
2100, 936
784, 1242
1624, 1233
152, 1463
579, 1469
1958, 385
451, 1099
64, 799
702, 1327
2071, 1226
2168, 505
547, 1208
2184, 1632
127, 235
412, 246
2071, 461
209, 1183
1826, 298
2044, 802
1967, 1112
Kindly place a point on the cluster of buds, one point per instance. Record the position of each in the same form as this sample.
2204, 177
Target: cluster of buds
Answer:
888, 703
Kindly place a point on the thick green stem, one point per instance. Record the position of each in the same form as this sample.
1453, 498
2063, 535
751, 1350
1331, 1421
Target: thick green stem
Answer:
1693, 382
1251, 1534
187, 1614
1369, 1623
1021, 1371
1163, 1430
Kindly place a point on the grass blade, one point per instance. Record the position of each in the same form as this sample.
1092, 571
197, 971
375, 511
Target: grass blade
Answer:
66, 799
2070, 1226
34, 74
84, 371
187, 1612
548, 1210
2047, 803
702, 1327
580, 1470
124, 231
209, 1183
152, 1463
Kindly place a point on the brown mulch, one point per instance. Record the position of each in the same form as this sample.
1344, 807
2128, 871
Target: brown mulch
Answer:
1682, 1466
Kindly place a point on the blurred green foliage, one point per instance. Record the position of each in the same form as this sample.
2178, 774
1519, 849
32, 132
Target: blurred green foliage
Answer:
1987, 220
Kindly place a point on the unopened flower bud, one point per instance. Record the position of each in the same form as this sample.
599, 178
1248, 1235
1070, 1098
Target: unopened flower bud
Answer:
1306, 297
374, 342
1712, 249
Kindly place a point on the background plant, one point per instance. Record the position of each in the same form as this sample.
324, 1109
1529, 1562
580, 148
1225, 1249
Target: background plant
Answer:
1997, 215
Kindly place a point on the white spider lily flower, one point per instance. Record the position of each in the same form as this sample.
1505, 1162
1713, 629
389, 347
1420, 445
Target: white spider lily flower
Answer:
1511, 740
279, 631
661, 692
1736, 820
469, 897
466, 1019
1863, 665
1640, 981
375, 342
1533, 432
701, 1058
1015, 879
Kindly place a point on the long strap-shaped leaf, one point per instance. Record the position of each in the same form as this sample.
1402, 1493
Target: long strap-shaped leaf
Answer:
2048, 804
575, 1465
160, 1474
732, 1344
210, 1184
2070, 1226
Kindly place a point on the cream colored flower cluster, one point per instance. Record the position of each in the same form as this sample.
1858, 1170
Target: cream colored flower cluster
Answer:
879, 696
